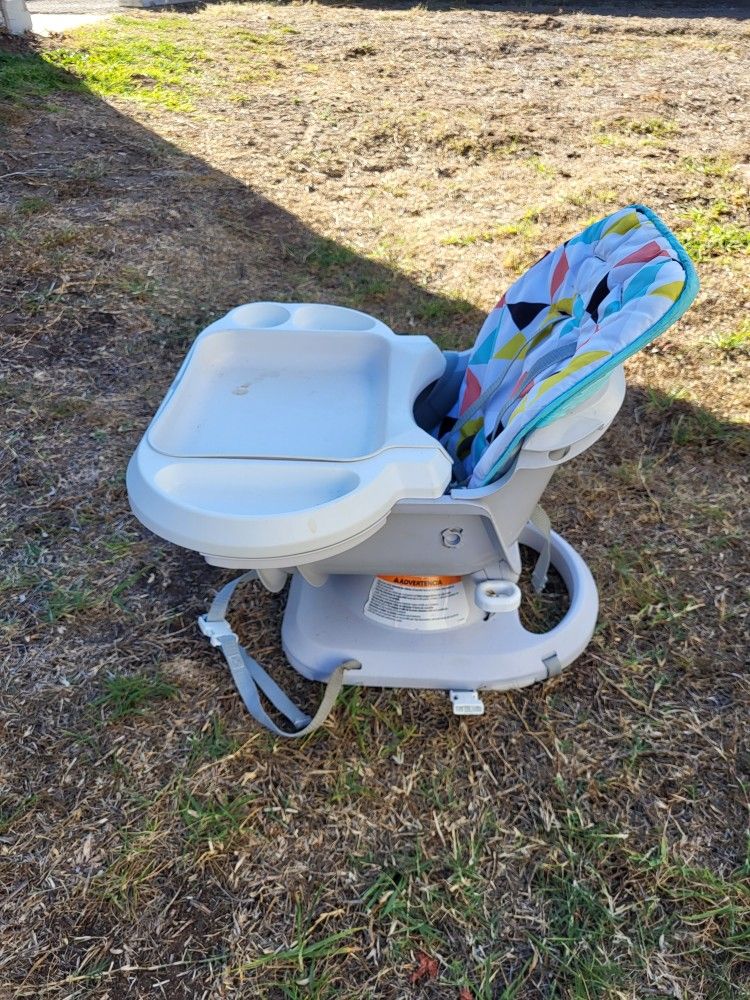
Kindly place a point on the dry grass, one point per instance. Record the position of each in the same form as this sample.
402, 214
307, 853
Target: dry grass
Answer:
584, 839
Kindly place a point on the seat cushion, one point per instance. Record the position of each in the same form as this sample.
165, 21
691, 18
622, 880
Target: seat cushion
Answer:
566, 323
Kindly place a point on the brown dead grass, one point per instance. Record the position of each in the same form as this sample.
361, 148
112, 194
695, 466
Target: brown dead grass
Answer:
584, 839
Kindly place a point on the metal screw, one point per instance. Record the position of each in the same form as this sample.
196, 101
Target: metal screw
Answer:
451, 537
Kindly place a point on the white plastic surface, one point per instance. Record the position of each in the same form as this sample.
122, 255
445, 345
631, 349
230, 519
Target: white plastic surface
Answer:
496, 596
466, 703
287, 434
323, 626
574, 431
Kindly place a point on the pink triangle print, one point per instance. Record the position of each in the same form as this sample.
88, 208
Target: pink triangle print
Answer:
472, 391
558, 275
646, 253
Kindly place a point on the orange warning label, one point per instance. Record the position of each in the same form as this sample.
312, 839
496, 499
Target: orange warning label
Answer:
421, 581
417, 602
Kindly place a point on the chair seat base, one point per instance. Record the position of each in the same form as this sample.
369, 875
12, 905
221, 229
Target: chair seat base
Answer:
468, 650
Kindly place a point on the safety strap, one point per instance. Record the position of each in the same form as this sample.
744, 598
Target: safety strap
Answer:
540, 520
249, 676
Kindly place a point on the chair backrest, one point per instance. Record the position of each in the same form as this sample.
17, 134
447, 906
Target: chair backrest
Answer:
566, 323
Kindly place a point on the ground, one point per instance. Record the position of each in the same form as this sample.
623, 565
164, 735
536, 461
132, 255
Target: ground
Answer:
585, 838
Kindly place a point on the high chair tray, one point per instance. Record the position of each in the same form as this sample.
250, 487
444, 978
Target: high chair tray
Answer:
288, 430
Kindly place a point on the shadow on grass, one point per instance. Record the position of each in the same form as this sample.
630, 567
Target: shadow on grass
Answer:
260, 250
545, 8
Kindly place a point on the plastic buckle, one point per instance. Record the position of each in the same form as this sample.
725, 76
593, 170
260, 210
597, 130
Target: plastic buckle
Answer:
215, 631
467, 703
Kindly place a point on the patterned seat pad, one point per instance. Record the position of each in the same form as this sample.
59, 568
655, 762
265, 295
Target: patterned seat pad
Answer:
566, 323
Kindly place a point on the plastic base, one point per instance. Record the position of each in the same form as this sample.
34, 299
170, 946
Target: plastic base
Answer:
324, 626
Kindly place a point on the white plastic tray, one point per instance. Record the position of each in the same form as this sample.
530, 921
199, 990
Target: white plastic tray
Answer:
288, 431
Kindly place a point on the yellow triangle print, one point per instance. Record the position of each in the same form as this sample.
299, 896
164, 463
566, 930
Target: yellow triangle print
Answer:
516, 347
577, 362
670, 290
624, 225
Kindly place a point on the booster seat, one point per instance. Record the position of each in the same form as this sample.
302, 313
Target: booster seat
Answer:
394, 482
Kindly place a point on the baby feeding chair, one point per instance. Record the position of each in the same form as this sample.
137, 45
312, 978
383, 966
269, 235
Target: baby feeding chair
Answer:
393, 482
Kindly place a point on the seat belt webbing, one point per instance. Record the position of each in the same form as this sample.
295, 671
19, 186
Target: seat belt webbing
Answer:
249, 675
540, 519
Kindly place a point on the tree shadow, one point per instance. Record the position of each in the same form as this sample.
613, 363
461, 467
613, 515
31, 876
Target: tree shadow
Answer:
692, 9
254, 247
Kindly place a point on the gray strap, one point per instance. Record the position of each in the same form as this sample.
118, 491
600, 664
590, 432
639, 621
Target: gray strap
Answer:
249, 675
541, 522
549, 360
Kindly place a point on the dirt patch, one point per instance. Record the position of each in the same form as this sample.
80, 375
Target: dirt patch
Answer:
586, 838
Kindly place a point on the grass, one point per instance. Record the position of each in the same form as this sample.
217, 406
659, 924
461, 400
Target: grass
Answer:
125, 696
523, 227
586, 838
212, 743
125, 64
734, 342
330, 255
64, 600
704, 429
13, 811
25, 77
650, 128
709, 166
33, 205
711, 232
164, 63
213, 819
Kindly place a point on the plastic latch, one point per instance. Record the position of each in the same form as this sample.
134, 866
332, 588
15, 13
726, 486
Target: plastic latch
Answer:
495, 596
467, 703
215, 631
552, 665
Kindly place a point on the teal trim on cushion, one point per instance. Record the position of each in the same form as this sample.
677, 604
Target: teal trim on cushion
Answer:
574, 399
563, 404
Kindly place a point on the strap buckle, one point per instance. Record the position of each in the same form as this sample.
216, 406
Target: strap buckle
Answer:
216, 631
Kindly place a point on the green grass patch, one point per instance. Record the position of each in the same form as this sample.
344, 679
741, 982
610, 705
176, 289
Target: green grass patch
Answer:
592, 198
709, 166
125, 696
213, 819
523, 227
212, 743
734, 341
647, 591
711, 232
125, 58
654, 128
658, 403
400, 897
33, 205
436, 901
539, 166
306, 958
611, 912
134, 283
700, 428
11, 812
67, 600
442, 307
24, 76
328, 254
121, 544
121, 882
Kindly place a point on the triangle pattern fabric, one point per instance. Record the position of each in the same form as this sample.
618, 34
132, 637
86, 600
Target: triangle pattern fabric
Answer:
522, 313
567, 322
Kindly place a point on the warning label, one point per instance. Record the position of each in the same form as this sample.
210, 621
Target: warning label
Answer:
417, 602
